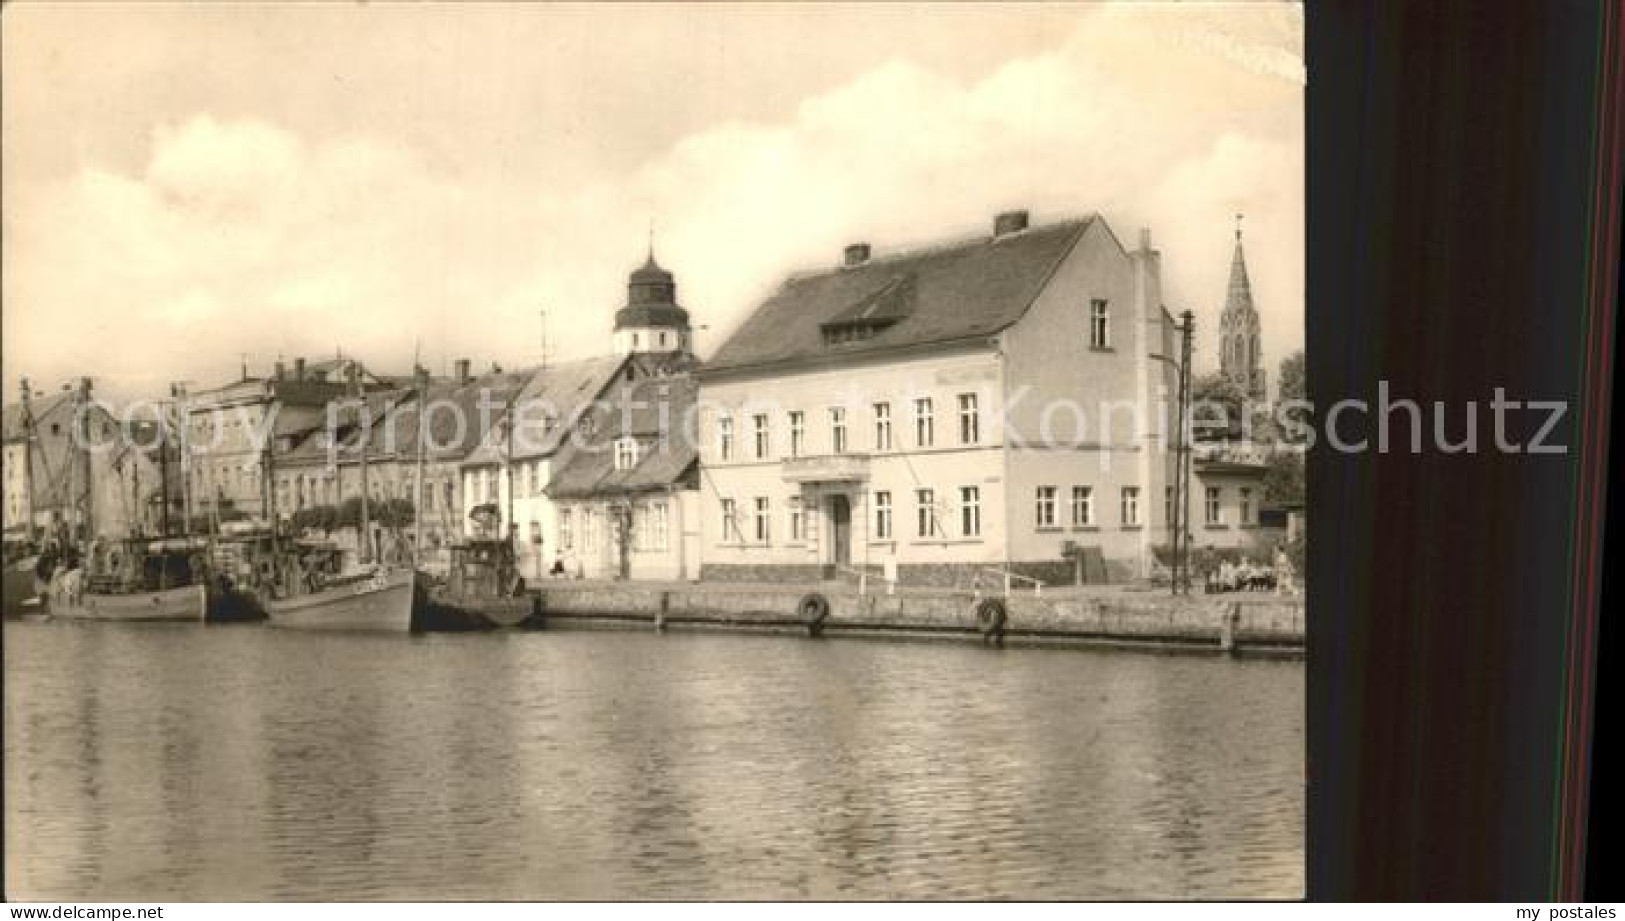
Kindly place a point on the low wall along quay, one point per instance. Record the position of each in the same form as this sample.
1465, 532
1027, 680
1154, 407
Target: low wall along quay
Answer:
1237, 622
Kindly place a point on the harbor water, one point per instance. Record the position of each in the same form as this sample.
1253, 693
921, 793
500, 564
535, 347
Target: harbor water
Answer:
154, 762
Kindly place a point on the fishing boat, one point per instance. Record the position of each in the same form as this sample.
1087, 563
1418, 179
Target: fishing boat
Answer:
310, 587
316, 593
483, 589
133, 579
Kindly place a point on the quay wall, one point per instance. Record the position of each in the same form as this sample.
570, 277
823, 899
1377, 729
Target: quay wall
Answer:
1211, 621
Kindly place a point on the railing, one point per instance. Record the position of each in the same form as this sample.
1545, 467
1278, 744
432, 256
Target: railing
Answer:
1038, 584
863, 579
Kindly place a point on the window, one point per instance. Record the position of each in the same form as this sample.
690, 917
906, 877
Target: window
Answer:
837, 429
970, 511
882, 426
451, 495
626, 455
924, 427
883, 515
1083, 506
1215, 514
970, 428
1246, 517
798, 433
1168, 505
725, 438
762, 520
662, 340
566, 538
1131, 506
925, 512
428, 496
759, 426
634, 341
1044, 508
659, 529
1099, 325
730, 521
535, 532
797, 526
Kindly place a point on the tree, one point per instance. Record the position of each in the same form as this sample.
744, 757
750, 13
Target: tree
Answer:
1290, 379
1293, 421
1284, 479
1218, 406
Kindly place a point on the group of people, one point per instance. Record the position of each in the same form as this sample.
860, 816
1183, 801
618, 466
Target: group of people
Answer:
1245, 575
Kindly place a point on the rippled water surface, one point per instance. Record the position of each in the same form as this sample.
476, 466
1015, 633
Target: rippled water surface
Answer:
158, 762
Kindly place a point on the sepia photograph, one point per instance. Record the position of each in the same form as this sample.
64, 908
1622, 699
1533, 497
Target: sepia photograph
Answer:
836, 452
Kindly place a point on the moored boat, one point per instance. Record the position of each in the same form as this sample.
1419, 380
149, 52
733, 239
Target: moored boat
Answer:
21, 588
135, 580
483, 589
312, 596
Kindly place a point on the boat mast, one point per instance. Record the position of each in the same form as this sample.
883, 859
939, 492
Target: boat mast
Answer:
177, 390
507, 464
82, 409
163, 471
28, 460
366, 523
421, 378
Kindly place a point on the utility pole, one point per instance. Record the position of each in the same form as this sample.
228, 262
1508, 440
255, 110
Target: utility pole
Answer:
82, 409
1182, 459
1179, 514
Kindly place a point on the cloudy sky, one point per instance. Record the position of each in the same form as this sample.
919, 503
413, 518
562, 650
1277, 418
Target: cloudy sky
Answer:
186, 184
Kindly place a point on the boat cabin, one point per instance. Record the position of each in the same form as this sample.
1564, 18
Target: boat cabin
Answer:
484, 568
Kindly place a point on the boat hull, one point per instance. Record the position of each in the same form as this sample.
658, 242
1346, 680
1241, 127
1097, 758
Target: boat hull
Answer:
449, 612
187, 604
385, 604
21, 591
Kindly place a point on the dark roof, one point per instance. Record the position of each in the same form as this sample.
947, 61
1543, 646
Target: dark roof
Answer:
657, 412
937, 295
551, 401
11, 417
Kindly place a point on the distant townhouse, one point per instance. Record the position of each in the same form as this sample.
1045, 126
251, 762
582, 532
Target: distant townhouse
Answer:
628, 500
504, 479
943, 415
226, 430
324, 469
574, 415
46, 485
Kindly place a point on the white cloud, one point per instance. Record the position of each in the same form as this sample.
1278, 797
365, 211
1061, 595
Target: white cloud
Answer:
242, 235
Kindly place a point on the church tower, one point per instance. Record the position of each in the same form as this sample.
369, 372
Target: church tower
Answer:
1239, 357
652, 323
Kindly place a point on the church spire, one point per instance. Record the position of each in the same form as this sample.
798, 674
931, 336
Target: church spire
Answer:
1239, 354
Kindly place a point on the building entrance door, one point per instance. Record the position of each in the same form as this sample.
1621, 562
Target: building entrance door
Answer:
840, 523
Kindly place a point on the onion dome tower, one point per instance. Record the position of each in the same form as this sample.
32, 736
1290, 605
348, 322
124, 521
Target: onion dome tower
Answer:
652, 322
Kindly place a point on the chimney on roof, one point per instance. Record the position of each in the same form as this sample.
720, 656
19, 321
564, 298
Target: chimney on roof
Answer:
1009, 222
1145, 239
299, 369
281, 371
857, 254
463, 365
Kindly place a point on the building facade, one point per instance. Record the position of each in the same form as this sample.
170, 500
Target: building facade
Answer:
230, 428
115, 486
628, 498
945, 416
